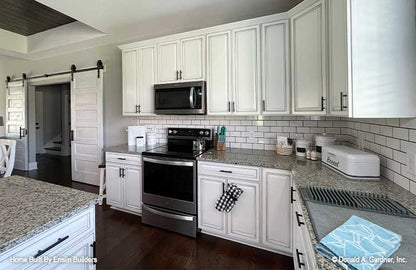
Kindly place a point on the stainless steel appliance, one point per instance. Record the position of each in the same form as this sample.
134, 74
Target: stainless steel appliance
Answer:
170, 181
180, 98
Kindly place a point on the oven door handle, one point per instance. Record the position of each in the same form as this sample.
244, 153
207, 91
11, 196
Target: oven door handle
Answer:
169, 162
168, 215
191, 97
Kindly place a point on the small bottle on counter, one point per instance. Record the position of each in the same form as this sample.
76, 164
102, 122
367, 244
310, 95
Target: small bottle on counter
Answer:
308, 154
314, 155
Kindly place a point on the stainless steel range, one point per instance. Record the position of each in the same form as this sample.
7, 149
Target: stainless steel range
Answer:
170, 180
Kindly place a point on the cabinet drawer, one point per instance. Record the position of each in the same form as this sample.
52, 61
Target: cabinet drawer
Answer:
54, 238
229, 171
123, 158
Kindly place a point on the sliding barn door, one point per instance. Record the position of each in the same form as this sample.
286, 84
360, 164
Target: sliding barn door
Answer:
16, 121
86, 126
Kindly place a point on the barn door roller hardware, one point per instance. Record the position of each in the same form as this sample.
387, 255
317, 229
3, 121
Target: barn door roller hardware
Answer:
71, 71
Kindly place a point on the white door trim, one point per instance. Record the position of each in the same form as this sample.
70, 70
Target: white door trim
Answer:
32, 83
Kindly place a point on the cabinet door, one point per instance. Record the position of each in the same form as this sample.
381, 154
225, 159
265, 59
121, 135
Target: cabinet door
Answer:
133, 188
338, 57
246, 73
275, 60
168, 66
114, 185
130, 97
243, 219
276, 210
219, 73
193, 58
81, 249
209, 190
309, 60
147, 79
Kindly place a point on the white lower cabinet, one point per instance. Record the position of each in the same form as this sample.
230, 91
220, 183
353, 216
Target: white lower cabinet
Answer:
81, 249
262, 215
124, 182
243, 220
277, 209
133, 188
74, 237
303, 251
210, 188
114, 186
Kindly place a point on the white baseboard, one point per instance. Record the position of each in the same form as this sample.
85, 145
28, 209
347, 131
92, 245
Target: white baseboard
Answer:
33, 166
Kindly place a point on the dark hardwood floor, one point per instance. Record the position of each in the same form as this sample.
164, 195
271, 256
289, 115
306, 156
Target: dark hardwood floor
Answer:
56, 170
124, 243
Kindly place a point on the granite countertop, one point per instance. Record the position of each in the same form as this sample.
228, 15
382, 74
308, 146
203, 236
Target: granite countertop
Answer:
29, 207
130, 149
308, 172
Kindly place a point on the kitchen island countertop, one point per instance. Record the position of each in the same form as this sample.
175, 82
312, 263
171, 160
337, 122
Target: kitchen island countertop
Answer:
306, 173
30, 207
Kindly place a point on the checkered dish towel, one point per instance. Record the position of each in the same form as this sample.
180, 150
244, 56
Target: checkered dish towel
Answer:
228, 198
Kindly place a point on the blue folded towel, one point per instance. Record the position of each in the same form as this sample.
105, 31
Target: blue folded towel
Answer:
360, 239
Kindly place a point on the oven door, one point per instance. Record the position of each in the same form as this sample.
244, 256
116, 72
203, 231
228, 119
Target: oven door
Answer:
180, 98
170, 183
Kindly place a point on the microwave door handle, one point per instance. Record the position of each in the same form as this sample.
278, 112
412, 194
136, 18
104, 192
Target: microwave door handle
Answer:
191, 97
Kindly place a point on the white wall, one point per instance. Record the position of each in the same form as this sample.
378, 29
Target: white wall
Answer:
114, 123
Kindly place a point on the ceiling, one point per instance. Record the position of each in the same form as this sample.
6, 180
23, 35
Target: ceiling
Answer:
104, 22
110, 17
28, 17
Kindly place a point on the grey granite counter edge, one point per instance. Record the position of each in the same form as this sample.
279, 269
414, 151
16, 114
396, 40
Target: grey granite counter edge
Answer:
15, 242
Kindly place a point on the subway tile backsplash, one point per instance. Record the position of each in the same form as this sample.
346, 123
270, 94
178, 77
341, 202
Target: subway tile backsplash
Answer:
251, 132
390, 139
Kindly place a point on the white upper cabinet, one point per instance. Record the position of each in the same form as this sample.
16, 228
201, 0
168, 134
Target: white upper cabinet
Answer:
372, 58
308, 57
139, 76
168, 62
338, 57
182, 60
246, 71
130, 94
219, 73
192, 58
275, 60
146, 79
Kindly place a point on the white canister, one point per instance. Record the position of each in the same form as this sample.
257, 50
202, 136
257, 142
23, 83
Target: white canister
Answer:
301, 147
140, 141
151, 139
321, 141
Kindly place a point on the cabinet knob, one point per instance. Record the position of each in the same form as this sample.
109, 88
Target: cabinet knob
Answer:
323, 103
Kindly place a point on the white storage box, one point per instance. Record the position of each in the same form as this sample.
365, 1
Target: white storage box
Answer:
351, 162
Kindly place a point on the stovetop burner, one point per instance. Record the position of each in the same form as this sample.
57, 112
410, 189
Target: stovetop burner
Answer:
180, 143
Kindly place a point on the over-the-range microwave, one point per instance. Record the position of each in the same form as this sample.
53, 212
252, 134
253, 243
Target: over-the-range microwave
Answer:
181, 98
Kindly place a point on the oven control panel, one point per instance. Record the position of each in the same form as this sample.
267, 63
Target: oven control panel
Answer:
190, 132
